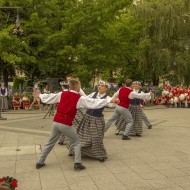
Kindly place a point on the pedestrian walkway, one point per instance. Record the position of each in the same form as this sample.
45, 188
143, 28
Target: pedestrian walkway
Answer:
159, 160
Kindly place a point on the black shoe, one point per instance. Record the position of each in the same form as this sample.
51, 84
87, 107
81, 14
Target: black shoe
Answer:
79, 166
61, 143
138, 135
150, 127
38, 165
101, 160
125, 138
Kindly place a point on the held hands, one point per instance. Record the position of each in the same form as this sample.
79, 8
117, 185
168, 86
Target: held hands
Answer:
114, 100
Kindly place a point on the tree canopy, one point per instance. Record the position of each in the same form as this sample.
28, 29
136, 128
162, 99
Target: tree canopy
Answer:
112, 39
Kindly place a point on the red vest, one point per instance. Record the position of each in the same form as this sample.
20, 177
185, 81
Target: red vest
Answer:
123, 97
66, 110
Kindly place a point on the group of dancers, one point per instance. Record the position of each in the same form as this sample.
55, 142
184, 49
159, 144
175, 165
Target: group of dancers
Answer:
177, 96
85, 131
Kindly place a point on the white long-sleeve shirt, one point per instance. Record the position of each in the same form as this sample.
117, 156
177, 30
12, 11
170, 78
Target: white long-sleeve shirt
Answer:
134, 94
99, 96
83, 102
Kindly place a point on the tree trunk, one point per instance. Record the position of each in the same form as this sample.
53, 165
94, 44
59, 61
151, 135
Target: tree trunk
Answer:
5, 75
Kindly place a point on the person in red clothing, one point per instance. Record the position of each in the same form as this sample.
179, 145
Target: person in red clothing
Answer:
69, 101
125, 94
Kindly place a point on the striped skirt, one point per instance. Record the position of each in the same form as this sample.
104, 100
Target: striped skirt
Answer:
91, 134
136, 113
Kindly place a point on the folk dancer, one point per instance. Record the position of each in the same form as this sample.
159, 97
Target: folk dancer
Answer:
79, 115
136, 111
91, 128
69, 102
125, 94
3, 98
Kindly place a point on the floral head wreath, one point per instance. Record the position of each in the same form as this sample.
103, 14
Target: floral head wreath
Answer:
101, 82
137, 82
8, 183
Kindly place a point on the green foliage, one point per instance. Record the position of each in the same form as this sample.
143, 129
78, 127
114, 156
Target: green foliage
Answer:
18, 81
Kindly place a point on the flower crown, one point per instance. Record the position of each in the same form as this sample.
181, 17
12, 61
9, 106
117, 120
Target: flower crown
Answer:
9, 182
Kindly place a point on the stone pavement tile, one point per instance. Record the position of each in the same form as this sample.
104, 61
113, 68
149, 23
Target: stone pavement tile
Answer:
29, 184
7, 158
26, 150
186, 170
7, 172
51, 183
63, 188
7, 165
186, 188
110, 163
88, 186
119, 169
79, 180
125, 155
181, 181
27, 175
172, 172
67, 165
50, 171
26, 157
102, 179
91, 163
98, 171
111, 186
162, 183
74, 173
161, 166
128, 177
134, 161
173, 188
179, 165
137, 185
150, 174
23, 166
8, 150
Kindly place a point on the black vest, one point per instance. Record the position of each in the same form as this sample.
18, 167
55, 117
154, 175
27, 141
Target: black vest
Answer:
136, 101
96, 112
3, 91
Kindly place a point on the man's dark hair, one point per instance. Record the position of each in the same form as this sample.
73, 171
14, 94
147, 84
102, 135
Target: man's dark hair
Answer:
128, 82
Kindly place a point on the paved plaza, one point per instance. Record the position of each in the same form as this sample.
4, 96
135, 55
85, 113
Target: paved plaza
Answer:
159, 160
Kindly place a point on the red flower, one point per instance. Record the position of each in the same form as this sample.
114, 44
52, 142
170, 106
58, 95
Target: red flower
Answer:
1, 180
14, 183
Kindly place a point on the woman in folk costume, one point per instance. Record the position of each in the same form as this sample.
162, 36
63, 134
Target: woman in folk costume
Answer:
25, 101
16, 101
3, 98
136, 111
91, 128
